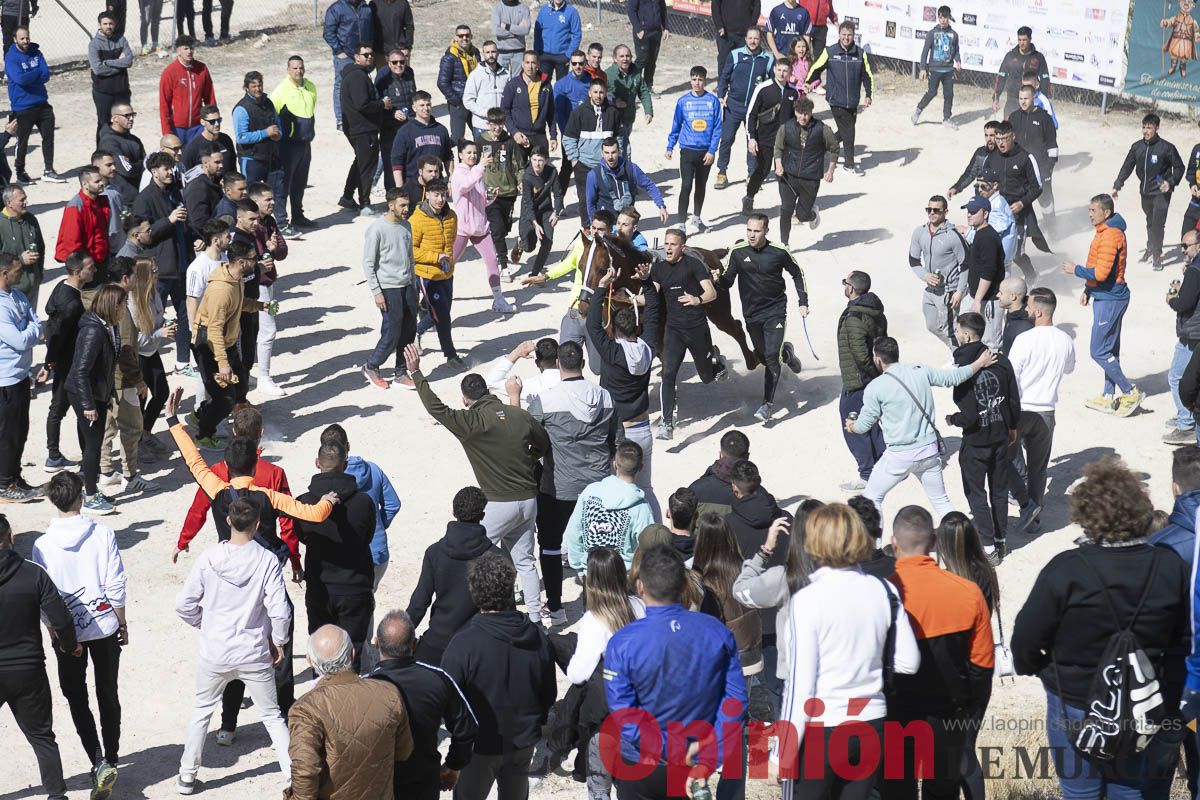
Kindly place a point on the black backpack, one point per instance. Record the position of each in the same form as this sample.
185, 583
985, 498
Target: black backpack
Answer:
1124, 707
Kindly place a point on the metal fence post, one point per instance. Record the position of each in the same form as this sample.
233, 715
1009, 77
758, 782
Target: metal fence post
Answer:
1103, 103
316, 15
599, 19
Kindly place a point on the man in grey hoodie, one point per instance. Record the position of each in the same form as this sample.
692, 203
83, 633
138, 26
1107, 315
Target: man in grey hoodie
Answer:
511, 23
235, 596
388, 264
937, 253
109, 58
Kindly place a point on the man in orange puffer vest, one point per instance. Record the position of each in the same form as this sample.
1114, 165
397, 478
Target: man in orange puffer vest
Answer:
1109, 294
434, 228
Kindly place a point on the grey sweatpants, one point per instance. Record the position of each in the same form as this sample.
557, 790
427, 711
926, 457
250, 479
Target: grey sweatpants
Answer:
511, 525
939, 317
994, 317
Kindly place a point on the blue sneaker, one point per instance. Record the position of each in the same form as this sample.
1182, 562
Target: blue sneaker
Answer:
59, 463
99, 505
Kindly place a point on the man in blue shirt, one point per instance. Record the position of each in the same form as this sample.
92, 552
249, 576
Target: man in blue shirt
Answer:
786, 21
679, 666
19, 332
697, 129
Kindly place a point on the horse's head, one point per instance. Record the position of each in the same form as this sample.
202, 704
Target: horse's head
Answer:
604, 251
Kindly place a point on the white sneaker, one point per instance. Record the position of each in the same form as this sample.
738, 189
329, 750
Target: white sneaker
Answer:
109, 479
763, 413
554, 619
138, 484
816, 220
689, 226
271, 388
509, 273
701, 225
502, 306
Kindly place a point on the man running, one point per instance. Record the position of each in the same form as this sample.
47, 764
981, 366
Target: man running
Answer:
760, 265
772, 104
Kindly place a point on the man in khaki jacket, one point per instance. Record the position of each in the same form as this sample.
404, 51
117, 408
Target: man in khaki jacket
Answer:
347, 732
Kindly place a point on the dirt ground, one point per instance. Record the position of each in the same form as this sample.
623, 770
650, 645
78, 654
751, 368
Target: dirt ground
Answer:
328, 323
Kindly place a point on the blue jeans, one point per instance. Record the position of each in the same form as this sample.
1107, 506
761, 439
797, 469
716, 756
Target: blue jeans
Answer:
174, 295
1179, 361
339, 64
187, 134
867, 448
1107, 316
1078, 778
257, 171
399, 327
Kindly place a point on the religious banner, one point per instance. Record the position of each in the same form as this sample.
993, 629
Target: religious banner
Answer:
1162, 51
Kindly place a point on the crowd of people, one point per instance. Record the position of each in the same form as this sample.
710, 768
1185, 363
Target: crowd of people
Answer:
709, 609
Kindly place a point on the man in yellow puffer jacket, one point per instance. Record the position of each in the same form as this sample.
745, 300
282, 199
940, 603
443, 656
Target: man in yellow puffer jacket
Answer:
434, 228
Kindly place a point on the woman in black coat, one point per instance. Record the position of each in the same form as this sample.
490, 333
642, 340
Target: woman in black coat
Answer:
91, 384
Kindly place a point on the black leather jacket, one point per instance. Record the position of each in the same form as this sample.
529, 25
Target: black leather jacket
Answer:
92, 380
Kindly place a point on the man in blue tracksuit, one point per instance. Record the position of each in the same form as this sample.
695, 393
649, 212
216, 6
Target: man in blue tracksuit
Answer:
679, 666
744, 70
613, 185
697, 129
557, 33
347, 23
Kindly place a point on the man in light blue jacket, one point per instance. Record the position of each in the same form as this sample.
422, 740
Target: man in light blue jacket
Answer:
901, 403
347, 24
374, 484
19, 332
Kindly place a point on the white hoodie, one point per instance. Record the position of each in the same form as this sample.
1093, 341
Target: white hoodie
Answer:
235, 596
81, 557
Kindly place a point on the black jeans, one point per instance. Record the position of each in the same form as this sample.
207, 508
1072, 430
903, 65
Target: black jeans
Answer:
552, 518
499, 215
824, 782
270, 173
285, 684
155, 376
248, 343
350, 612
362, 169
726, 44
105, 655
764, 163
555, 64
819, 34
206, 17
677, 342
948, 742
104, 105
796, 199
42, 118
14, 430
529, 241
460, 122
220, 398
1155, 207
399, 326
646, 52
693, 173
387, 137
580, 171
989, 507
845, 118
58, 409
946, 80
867, 447
91, 436
27, 693
173, 294
297, 157
1027, 477
9, 25
766, 336
1191, 217
185, 16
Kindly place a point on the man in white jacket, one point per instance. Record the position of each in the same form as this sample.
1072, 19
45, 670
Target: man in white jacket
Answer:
82, 559
235, 596
485, 87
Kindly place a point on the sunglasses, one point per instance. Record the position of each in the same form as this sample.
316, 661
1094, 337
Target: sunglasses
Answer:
577, 63
130, 115
935, 211
213, 121
396, 61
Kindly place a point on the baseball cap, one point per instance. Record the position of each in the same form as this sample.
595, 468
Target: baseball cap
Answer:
989, 176
977, 204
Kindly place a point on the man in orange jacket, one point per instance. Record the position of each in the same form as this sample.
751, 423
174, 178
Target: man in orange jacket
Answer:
1105, 276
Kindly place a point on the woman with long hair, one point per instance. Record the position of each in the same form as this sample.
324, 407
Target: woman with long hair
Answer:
609, 608
718, 561
771, 588
837, 627
961, 552
693, 596
147, 308
92, 387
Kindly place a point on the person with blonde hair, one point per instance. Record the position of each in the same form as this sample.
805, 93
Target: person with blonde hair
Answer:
153, 330
848, 635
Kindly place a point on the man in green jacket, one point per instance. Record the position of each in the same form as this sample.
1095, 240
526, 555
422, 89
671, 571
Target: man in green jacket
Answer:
503, 444
21, 236
860, 324
628, 88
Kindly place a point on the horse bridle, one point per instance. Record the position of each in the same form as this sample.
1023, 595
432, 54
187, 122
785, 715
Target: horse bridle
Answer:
587, 270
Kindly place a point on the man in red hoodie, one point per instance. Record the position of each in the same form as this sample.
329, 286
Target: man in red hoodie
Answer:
85, 223
185, 86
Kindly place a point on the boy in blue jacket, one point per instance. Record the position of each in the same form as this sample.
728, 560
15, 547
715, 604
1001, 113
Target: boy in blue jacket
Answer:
28, 73
697, 129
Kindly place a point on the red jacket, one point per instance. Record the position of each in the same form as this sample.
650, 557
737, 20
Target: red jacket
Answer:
266, 475
84, 226
820, 11
181, 92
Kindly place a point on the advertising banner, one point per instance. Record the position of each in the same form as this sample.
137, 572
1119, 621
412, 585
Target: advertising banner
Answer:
1162, 51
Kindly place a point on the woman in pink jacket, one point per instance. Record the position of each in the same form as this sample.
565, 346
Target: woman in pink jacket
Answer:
471, 199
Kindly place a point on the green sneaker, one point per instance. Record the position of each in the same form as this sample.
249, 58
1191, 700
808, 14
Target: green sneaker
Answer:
213, 442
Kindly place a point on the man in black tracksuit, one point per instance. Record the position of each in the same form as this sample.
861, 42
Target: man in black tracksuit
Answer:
127, 151
339, 573
731, 19
1020, 185
989, 405
1021, 59
431, 697
770, 106
63, 311
1034, 130
362, 113
760, 264
801, 144
848, 81
27, 596
1159, 170
978, 159
443, 580
203, 193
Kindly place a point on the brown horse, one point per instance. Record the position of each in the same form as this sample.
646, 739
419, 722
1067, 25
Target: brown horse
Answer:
604, 251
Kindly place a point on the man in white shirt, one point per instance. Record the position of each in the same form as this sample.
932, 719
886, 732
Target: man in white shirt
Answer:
544, 353
1040, 358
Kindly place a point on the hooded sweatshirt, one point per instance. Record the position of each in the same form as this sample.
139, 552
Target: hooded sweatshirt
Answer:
235, 596
27, 594
372, 482
715, 487
470, 200
989, 404
28, 73
82, 559
443, 582
579, 419
609, 513
504, 665
337, 552
624, 364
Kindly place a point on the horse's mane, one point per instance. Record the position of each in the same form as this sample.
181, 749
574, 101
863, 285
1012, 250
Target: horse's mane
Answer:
625, 248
